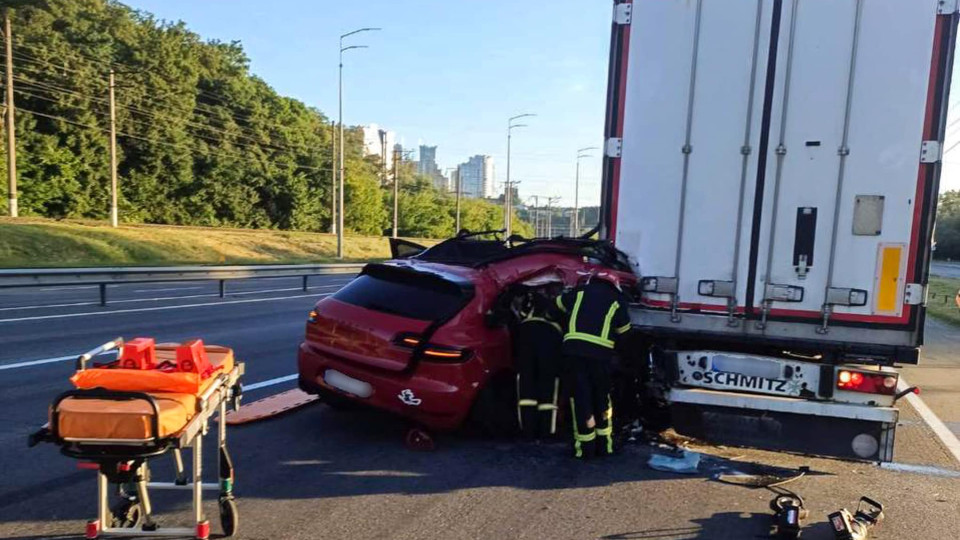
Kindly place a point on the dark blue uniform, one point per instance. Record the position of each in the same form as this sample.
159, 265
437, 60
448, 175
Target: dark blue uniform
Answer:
596, 317
536, 341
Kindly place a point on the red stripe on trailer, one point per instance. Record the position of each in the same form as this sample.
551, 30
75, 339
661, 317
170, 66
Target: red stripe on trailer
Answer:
930, 129
618, 132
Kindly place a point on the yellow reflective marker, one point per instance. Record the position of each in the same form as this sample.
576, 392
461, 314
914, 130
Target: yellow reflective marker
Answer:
890, 258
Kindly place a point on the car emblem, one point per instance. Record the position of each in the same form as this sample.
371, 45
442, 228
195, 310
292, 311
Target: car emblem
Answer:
408, 398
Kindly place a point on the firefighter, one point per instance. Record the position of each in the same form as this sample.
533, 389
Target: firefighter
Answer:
536, 339
596, 315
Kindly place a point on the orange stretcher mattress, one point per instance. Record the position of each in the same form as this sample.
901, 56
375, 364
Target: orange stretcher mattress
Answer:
131, 419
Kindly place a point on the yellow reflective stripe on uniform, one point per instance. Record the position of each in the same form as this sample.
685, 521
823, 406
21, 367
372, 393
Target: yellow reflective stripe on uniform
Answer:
589, 338
527, 403
578, 450
560, 305
573, 315
623, 328
605, 333
586, 438
608, 431
553, 415
546, 407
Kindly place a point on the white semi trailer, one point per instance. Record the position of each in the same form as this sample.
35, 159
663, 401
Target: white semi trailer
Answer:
772, 168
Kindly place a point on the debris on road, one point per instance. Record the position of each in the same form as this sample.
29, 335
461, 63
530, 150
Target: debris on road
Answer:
847, 526
686, 463
270, 407
788, 515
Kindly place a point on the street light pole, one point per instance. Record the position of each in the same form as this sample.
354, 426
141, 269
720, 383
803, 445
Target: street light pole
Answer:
340, 107
508, 195
575, 223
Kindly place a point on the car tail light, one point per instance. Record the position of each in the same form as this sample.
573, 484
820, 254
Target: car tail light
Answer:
433, 352
312, 317
867, 382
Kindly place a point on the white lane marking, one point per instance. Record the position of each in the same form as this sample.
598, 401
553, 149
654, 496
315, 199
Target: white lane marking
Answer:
38, 362
73, 288
946, 436
158, 299
920, 469
271, 382
168, 289
161, 308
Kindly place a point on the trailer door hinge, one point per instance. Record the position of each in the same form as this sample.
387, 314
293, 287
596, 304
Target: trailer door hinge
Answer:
947, 7
622, 13
612, 147
914, 294
930, 151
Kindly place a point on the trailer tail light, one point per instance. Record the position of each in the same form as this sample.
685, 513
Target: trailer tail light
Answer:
867, 382
433, 352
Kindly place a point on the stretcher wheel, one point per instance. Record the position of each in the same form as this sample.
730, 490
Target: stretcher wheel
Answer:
229, 517
127, 514
419, 440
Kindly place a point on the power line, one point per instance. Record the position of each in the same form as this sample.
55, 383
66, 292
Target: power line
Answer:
172, 145
134, 110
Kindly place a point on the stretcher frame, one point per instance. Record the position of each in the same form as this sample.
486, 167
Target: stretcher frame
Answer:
224, 389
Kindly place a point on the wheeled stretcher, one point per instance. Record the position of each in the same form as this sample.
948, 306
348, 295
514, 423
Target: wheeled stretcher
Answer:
150, 401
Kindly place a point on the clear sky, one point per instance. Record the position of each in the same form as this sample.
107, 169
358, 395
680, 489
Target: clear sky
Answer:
441, 72
449, 73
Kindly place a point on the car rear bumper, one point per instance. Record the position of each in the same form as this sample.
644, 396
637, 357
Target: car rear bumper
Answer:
439, 396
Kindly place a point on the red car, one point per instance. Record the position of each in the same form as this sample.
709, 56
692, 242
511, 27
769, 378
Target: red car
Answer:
423, 335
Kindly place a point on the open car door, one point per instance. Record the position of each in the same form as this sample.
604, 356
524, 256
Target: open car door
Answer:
404, 249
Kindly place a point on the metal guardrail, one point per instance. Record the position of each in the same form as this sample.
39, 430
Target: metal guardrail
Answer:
47, 277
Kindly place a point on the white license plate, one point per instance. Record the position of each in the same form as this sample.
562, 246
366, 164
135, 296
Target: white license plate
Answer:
724, 371
347, 384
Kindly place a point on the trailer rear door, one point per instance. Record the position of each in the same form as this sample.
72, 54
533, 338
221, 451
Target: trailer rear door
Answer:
773, 165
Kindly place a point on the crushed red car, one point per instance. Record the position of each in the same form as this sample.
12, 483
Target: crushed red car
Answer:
424, 335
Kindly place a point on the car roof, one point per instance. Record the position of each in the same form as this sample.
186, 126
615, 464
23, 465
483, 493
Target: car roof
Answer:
469, 251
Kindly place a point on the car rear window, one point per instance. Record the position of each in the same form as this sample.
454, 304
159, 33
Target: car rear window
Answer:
406, 294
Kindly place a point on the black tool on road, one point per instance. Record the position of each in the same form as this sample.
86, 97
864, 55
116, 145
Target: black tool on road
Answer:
847, 526
788, 515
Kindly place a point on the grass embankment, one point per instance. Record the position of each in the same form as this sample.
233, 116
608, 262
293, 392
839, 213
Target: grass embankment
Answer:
35, 243
940, 300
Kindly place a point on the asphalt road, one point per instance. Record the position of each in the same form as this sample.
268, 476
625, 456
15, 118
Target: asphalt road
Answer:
945, 269
320, 473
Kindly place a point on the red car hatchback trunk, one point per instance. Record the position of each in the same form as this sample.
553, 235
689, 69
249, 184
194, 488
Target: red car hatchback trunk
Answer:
417, 336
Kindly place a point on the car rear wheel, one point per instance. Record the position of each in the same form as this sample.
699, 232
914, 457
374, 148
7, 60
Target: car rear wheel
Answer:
495, 408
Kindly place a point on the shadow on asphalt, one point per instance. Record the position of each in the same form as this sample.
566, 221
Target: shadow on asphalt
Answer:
321, 453
724, 526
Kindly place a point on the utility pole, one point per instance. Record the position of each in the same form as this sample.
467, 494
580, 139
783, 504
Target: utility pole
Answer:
508, 206
536, 215
340, 107
575, 222
508, 197
550, 201
11, 130
459, 194
114, 214
333, 176
396, 189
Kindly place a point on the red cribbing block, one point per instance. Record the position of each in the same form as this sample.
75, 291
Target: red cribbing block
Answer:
139, 353
203, 530
93, 529
192, 357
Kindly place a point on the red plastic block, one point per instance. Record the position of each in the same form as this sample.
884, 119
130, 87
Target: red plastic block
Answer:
138, 353
192, 357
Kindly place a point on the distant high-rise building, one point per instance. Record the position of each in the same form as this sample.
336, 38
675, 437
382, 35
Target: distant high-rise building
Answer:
427, 166
476, 176
379, 142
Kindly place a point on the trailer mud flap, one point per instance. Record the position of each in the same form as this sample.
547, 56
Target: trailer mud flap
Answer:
867, 439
